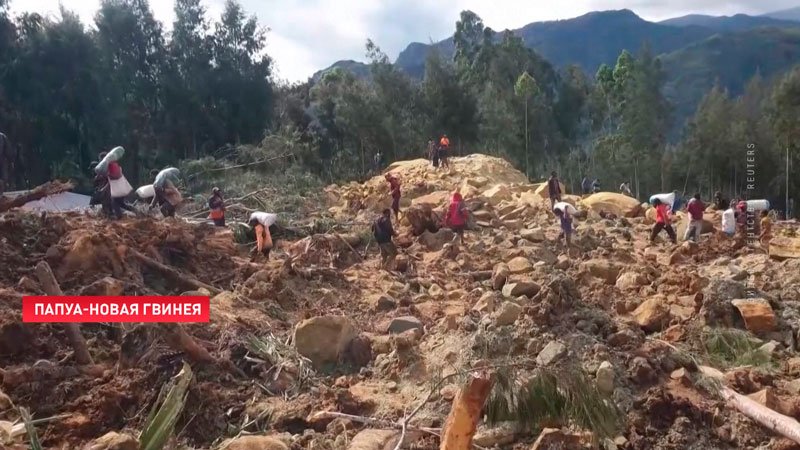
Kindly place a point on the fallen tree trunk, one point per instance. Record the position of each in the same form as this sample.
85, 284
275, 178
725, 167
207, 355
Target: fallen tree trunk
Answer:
465, 414
774, 421
169, 272
40, 192
73, 330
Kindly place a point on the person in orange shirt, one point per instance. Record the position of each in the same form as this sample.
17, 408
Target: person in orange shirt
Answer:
217, 205
444, 145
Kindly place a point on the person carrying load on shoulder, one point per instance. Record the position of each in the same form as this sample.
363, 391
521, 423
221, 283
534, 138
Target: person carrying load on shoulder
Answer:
383, 232
118, 187
457, 216
261, 221
167, 196
662, 222
217, 206
394, 189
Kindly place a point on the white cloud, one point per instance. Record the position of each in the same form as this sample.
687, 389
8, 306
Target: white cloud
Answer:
308, 35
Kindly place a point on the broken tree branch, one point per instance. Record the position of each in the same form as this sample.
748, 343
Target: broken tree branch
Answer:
40, 192
173, 274
462, 422
773, 420
73, 330
238, 166
361, 258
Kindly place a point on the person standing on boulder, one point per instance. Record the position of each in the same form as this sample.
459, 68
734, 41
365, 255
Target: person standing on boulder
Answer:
662, 222
554, 189
217, 205
394, 189
695, 209
457, 215
383, 232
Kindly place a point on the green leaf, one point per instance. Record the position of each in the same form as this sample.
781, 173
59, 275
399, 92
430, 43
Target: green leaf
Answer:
160, 426
31, 429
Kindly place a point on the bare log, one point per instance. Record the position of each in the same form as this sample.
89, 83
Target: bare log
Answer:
174, 275
177, 338
40, 192
465, 414
73, 330
774, 421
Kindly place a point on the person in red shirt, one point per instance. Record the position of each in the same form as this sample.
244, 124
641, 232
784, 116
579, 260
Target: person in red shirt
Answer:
662, 222
457, 216
394, 188
695, 209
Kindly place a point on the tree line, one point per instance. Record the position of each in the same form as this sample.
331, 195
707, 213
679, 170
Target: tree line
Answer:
69, 91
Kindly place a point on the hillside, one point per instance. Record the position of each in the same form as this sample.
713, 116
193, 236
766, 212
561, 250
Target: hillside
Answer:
732, 59
736, 22
786, 14
613, 339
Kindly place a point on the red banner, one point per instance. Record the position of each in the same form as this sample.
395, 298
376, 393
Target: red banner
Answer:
115, 309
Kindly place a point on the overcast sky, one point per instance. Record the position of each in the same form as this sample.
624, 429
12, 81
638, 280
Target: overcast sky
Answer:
308, 35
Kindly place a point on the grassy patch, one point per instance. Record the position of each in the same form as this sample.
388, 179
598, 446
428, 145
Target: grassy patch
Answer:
728, 347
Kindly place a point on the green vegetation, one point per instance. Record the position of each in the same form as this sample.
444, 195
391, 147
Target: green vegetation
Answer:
203, 98
726, 348
161, 421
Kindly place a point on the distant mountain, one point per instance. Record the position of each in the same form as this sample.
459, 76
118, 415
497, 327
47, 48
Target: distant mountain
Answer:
359, 69
786, 14
731, 58
739, 22
596, 38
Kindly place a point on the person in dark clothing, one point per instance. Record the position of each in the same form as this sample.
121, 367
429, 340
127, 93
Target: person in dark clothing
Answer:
586, 185
595, 186
662, 222
101, 194
720, 202
383, 232
217, 206
394, 189
695, 209
554, 189
161, 199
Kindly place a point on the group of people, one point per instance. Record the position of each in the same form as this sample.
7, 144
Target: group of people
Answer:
438, 152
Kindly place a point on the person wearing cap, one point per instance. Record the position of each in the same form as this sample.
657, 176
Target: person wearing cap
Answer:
261, 221
217, 206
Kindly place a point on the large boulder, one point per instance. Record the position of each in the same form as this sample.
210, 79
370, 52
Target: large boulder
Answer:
602, 268
497, 194
611, 202
372, 439
435, 241
653, 314
630, 281
405, 323
533, 235
784, 247
421, 218
323, 339
551, 353
757, 313
254, 443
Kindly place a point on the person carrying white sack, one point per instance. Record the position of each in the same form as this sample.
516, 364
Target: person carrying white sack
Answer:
118, 186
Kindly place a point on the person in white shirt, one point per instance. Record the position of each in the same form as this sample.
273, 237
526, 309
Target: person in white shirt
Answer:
261, 221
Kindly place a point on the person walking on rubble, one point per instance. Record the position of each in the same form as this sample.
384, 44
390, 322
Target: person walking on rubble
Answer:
217, 206
394, 189
383, 232
564, 212
167, 196
554, 189
116, 187
662, 222
457, 216
695, 209
261, 221
444, 151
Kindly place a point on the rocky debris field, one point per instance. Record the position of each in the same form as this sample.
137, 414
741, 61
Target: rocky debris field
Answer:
613, 343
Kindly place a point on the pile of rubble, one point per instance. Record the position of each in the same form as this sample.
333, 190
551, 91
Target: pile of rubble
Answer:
320, 349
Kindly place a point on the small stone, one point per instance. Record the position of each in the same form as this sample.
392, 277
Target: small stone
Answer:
405, 323
641, 371
757, 313
500, 435
622, 338
629, 281
517, 288
551, 352
520, 265
507, 314
533, 235
449, 392
770, 347
386, 303
793, 366
562, 263
680, 375
500, 275
435, 291
457, 294
553, 438
605, 377
450, 322
486, 303
115, 441
793, 387
5, 401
